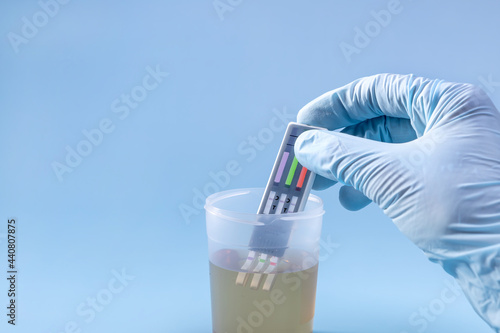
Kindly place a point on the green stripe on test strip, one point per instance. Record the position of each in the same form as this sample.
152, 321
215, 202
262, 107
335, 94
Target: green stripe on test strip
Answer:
289, 178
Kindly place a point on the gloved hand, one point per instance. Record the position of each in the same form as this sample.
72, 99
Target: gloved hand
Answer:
428, 153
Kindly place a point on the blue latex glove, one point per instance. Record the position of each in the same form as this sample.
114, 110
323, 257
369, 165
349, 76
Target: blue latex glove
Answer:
428, 153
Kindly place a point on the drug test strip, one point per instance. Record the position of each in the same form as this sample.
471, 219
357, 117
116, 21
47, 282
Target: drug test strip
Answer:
273, 264
281, 203
260, 267
269, 202
288, 176
293, 204
240, 279
255, 281
268, 284
261, 262
287, 191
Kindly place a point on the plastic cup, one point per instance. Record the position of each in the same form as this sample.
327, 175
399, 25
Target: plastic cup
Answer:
249, 300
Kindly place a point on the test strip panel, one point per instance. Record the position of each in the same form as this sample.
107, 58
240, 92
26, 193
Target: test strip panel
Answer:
290, 182
286, 192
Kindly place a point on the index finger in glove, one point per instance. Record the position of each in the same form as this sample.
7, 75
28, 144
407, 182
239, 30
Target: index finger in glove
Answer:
424, 102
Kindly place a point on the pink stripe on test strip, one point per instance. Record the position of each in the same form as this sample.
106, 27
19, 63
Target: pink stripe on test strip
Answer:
281, 167
269, 202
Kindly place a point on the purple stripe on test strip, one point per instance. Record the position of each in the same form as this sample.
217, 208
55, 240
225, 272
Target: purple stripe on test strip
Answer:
281, 167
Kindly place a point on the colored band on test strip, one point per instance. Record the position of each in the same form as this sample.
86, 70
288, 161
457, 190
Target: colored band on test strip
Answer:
281, 204
269, 202
281, 167
260, 263
249, 261
301, 178
272, 265
291, 172
293, 204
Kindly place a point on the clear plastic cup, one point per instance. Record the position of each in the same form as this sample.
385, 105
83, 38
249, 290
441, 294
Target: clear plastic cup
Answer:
268, 298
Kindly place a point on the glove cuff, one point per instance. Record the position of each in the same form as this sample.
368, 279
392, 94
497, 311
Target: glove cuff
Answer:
478, 274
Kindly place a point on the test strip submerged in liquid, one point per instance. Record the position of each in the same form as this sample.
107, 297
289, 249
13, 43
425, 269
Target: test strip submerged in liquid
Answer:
286, 192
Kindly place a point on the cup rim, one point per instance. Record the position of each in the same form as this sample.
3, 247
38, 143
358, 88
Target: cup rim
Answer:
213, 198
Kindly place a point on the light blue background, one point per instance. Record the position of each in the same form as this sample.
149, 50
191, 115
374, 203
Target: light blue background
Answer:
120, 207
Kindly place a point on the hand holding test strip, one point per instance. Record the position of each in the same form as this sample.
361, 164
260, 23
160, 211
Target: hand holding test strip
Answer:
286, 192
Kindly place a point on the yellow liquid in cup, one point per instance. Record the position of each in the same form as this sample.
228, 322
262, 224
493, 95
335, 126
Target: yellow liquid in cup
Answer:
287, 308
